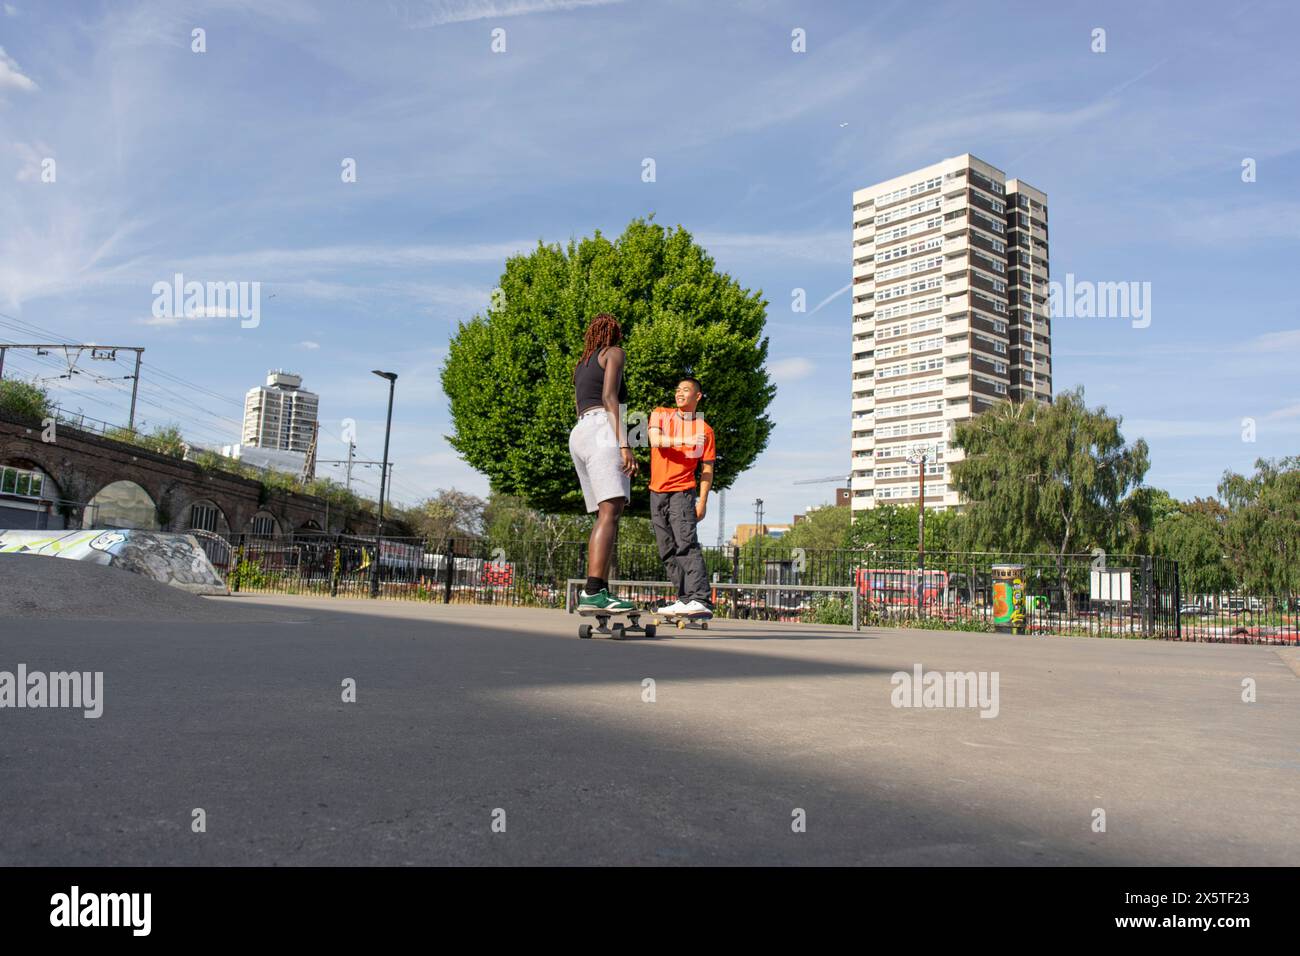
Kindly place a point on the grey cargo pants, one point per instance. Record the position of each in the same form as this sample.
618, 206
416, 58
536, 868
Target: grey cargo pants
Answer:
673, 516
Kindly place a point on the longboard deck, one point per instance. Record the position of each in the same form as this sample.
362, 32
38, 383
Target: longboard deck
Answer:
618, 632
683, 621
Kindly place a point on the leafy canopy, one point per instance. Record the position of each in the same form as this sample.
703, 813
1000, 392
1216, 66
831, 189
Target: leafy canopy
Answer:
509, 373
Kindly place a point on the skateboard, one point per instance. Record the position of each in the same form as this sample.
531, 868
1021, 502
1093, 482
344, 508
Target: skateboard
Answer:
683, 621
617, 632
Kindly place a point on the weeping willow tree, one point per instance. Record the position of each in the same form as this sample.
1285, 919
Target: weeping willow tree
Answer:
1042, 477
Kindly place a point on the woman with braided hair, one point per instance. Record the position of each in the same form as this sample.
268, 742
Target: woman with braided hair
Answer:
601, 454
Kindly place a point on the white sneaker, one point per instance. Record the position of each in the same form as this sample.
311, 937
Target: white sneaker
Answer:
677, 607
697, 609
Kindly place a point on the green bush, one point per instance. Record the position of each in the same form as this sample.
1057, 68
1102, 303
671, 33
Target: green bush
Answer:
248, 576
23, 400
832, 609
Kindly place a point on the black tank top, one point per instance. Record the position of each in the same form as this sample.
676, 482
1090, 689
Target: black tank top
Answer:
589, 384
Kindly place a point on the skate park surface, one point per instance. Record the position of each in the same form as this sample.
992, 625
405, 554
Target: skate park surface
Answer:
468, 715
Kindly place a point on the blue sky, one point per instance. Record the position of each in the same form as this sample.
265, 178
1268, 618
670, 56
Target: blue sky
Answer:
225, 166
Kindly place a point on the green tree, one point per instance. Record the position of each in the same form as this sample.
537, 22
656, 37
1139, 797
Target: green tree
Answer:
1139, 513
1193, 536
166, 440
1262, 531
886, 527
526, 535
448, 514
1046, 477
822, 529
23, 400
509, 373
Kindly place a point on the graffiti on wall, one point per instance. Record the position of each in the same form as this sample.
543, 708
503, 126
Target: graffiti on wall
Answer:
174, 559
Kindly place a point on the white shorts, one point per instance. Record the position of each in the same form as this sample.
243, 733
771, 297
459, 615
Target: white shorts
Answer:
598, 460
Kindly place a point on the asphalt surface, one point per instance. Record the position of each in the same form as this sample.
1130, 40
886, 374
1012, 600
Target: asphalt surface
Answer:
464, 710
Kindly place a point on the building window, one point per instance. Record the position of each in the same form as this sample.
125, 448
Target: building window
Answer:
203, 518
20, 482
263, 526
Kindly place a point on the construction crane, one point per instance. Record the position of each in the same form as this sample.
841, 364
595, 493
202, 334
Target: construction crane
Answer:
309, 463
821, 481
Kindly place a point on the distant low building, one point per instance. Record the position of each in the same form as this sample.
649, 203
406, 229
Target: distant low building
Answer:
746, 531
275, 459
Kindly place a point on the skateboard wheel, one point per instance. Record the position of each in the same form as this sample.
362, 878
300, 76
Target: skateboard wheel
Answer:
584, 631
617, 632
649, 630
704, 625
681, 624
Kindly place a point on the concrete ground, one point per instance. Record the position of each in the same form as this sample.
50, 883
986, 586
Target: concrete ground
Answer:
465, 710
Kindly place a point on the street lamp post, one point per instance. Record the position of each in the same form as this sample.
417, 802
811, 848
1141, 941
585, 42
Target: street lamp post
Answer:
920, 457
383, 483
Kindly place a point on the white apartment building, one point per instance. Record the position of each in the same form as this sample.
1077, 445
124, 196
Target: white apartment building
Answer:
280, 414
950, 315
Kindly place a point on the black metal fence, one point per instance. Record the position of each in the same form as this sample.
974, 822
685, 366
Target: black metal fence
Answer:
1079, 594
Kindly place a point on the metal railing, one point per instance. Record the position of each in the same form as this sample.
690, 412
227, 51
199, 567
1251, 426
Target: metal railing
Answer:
1081, 594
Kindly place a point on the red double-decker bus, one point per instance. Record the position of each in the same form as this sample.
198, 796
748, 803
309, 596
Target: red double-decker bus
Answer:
901, 587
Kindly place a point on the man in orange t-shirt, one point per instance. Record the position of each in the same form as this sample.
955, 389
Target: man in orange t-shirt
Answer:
680, 443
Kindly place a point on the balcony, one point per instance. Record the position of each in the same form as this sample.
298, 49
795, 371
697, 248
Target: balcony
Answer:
959, 326
956, 304
960, 390
954, 352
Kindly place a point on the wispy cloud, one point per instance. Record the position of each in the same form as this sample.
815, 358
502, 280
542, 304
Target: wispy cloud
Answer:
12, 76
443, 12
311, 259
31, 156
1213, 224
831, 246
831, 298
791, 369
197, 314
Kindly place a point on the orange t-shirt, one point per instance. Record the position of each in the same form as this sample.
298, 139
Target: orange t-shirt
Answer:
673, 469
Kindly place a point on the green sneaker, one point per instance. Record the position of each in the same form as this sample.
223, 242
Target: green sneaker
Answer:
602, 603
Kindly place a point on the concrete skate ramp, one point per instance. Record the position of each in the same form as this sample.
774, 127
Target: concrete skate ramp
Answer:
38, 588
172, 559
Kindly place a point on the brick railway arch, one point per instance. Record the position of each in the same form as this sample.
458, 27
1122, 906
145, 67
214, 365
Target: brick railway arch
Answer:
264, 524
204, 514
83, 464
123, 504
23, 508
